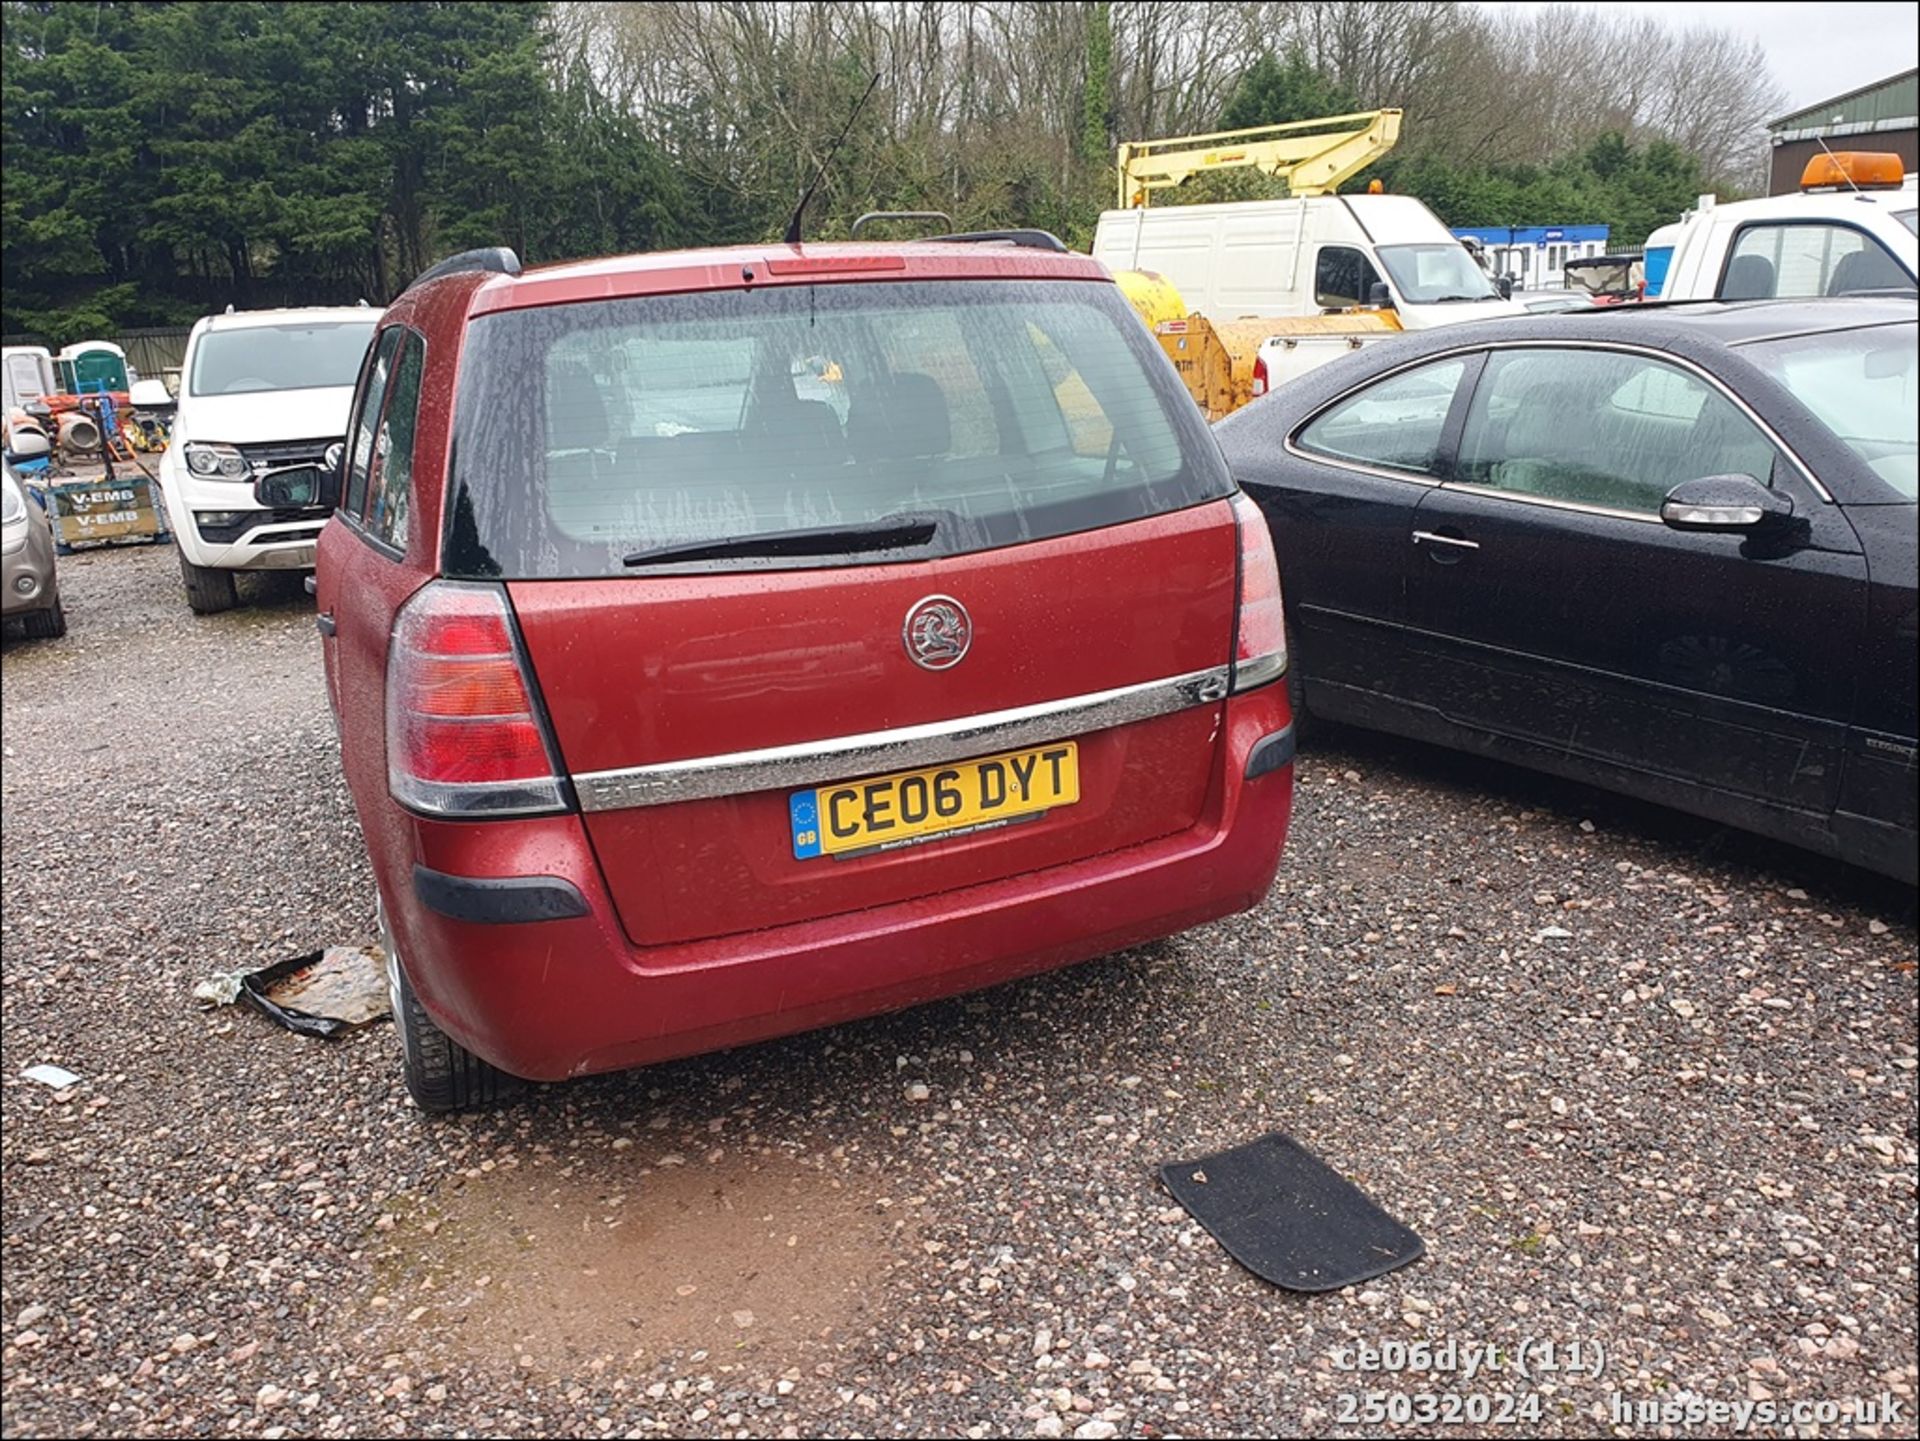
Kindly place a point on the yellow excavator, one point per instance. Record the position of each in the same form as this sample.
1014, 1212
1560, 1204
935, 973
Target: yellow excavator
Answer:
1235, 292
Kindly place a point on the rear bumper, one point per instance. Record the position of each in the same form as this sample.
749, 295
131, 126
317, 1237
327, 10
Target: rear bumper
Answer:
568, 996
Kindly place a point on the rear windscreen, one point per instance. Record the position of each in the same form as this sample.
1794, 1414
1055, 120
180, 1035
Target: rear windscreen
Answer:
1007, 412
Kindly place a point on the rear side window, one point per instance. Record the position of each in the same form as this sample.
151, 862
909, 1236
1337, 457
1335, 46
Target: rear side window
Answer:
1394, 425
1005, 411
366, 419
1802, 260
1598, 428
393, 449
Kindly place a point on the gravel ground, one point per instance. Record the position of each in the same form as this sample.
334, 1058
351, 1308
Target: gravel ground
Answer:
1643, 1085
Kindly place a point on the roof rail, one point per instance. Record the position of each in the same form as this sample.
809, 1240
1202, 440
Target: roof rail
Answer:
496, 258
1031, 239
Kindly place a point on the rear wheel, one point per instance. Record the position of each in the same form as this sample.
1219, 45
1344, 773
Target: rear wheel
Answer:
208, 591
441, 1074
48, 624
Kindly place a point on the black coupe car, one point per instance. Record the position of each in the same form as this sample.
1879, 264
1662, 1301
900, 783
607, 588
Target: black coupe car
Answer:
1666, 549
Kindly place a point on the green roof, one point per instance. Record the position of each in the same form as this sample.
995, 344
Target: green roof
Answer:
1895, 98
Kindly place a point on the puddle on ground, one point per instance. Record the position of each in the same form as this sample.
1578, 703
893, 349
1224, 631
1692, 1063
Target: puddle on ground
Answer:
756, 1256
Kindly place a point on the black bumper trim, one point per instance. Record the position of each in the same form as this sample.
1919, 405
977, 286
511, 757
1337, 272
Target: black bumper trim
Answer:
255, 519
498, 901
1270, 753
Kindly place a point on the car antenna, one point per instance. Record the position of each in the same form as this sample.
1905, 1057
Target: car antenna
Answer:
1845, 174
792, 236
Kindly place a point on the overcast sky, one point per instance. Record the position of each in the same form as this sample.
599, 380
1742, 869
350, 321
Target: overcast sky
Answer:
1816, 50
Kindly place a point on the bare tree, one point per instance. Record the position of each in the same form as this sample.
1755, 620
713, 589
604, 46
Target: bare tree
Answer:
982, 105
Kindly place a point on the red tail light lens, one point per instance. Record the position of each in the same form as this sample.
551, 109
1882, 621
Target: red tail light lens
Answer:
463, 736
1259, 376
1260, 646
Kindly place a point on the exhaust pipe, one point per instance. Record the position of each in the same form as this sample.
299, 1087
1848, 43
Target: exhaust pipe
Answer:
79, 432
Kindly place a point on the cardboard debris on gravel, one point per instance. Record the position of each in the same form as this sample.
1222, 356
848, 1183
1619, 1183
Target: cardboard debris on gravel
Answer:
58, 1077
322, 993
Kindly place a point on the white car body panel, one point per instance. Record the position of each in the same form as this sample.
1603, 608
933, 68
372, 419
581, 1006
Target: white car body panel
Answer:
304, 420
1288, 357
270, 417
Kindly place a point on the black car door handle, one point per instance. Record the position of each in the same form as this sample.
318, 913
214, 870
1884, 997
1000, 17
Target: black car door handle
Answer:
1433, 538
324, 622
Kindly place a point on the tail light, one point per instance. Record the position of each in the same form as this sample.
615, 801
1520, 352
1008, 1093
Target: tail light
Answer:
464, 737
1260, 640
1259, 376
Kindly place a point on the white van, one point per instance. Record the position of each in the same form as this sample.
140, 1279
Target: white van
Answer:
1305, 256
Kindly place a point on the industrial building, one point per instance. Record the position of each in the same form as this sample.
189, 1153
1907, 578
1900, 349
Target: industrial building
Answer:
1881, 116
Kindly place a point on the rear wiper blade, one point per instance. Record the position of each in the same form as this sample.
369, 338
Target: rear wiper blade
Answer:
894, 532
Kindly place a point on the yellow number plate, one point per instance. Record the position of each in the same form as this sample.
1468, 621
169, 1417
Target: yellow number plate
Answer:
941, 801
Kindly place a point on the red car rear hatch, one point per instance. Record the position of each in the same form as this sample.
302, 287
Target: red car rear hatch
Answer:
661, 688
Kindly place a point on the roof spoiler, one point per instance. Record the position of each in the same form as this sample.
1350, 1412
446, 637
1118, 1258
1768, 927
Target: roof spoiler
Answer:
496, 258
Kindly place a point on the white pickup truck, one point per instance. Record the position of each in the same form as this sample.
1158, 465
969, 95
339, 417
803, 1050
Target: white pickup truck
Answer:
259, 390
1849, 228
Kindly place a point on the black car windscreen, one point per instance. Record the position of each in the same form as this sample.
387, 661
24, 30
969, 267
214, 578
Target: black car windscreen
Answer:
1004, 411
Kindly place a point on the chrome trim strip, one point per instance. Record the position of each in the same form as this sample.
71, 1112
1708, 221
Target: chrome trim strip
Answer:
903, 748
1353, 467
1468, 348
1493, 492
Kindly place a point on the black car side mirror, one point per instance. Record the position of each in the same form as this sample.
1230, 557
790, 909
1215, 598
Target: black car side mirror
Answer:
1380, 296
1505, 286
1729, 504
293, 487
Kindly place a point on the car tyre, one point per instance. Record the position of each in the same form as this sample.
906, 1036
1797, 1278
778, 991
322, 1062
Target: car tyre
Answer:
1305, 726
48, 624
208, 591
440, 1073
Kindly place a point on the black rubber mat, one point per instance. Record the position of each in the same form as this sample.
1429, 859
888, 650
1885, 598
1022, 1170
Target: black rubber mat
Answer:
1290, 1218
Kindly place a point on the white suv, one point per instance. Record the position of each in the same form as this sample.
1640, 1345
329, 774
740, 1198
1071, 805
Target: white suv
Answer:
259, 390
